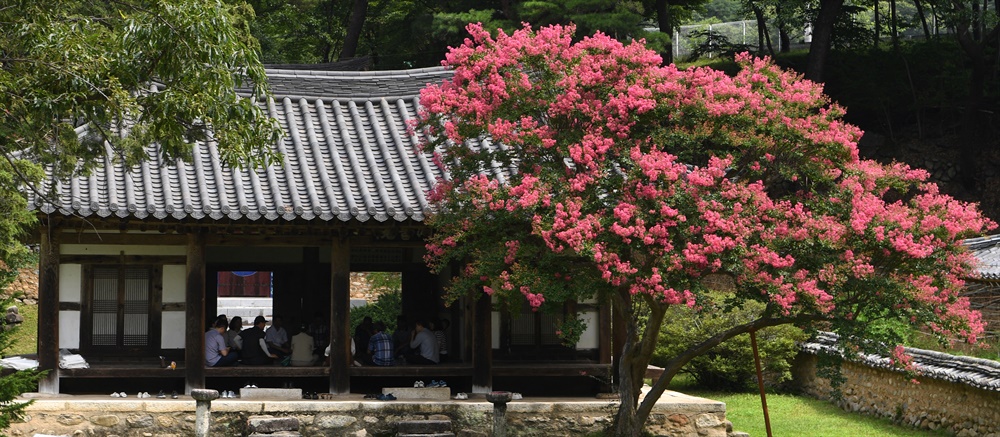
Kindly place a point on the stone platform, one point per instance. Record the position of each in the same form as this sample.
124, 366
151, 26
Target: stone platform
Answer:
428, 393
277, 394
675, 414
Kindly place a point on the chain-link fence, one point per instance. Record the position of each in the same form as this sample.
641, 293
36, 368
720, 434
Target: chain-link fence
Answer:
712, 39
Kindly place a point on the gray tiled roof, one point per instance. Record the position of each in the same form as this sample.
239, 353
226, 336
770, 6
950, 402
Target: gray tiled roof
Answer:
347, 155
987, 251
976, 372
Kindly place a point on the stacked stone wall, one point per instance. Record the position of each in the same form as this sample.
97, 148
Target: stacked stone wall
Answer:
159, 418
920, 402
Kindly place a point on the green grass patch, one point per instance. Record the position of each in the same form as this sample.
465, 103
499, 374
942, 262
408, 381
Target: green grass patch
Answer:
25, 337
798, 416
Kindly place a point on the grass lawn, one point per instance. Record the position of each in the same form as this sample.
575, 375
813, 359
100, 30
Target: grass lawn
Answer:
798, 416
25, 339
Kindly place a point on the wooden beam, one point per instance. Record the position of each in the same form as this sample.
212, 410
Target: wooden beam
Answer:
340, 312
131, 260
482, 346
48, 310
194, 299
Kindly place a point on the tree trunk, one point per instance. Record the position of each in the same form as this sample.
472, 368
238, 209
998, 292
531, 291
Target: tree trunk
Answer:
763, 38
892, 22
923, 19
357, 21
822, 40
663, 21
637, 352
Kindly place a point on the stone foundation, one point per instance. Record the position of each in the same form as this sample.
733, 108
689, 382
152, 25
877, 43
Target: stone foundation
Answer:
78, 416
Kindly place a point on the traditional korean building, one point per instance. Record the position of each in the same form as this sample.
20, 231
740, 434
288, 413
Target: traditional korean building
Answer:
134, 261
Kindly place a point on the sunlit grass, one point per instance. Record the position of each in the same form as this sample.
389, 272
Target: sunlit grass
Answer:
798, 416
25, 337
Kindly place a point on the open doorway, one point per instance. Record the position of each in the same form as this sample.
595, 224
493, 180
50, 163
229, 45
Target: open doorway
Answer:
246, 294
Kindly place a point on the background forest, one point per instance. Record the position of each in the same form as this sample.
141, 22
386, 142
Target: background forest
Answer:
920, 77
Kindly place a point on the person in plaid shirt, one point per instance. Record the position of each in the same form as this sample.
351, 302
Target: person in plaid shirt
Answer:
380, 347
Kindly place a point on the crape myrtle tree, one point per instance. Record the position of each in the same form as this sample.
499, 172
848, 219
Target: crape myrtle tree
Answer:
582, 169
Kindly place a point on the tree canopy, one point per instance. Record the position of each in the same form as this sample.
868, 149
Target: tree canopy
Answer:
84, 81
586, 169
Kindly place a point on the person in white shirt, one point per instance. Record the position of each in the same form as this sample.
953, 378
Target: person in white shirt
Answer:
302, 348
425, 346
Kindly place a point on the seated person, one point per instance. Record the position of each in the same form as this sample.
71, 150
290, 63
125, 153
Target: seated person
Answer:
380, 347
235, 327
302, 348
253, 348
277, 338
401, 337
217, 354
326, 361
424, 346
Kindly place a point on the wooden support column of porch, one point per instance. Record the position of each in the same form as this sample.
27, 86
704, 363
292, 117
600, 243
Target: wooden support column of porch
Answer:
482, 346
194, 299
340, 313
48, 309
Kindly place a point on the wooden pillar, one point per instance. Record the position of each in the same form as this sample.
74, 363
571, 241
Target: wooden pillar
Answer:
482, 346
194, 299
48, 309
618, 334
340, 312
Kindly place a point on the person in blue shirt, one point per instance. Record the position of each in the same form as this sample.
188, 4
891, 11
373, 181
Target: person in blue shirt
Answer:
380, 346
217, 354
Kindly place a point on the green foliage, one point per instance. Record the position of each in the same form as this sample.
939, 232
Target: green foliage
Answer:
730, 365
12, 385
709, 43
385, 309
24, 340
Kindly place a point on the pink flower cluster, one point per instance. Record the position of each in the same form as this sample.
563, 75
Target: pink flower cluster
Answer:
644, 178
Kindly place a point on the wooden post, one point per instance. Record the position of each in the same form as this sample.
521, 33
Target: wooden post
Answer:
340, 312
48, 309
194, 299
482, 346
618, 334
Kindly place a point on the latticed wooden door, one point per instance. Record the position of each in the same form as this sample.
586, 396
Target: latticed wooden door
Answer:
120, 308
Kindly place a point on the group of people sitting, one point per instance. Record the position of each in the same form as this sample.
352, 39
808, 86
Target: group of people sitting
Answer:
227, 343
423, 342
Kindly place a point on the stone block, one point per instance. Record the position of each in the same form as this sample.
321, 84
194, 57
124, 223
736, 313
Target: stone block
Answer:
430, 393
281, 394
423, 426
264, 424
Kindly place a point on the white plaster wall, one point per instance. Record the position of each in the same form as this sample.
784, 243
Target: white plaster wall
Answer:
116, 249
69, 329
590, 339
174, 277
70, 283
172, 331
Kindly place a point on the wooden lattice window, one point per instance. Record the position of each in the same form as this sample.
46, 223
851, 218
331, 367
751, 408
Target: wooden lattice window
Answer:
122, 309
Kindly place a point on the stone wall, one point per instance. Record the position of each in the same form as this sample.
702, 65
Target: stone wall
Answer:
965, 404
86, 416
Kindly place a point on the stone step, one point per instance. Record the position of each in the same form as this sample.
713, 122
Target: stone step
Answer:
274, 394
431, 393
271, 424
276, 434
423, 426
439, 434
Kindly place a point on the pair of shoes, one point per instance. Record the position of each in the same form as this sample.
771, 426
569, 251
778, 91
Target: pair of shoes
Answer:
227, 394
372, 396
461, 396
161, 395
142, 395
119, 395
516, 396
307, 395
173, 395
249, 385
386, 397
418, 384
435, 383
